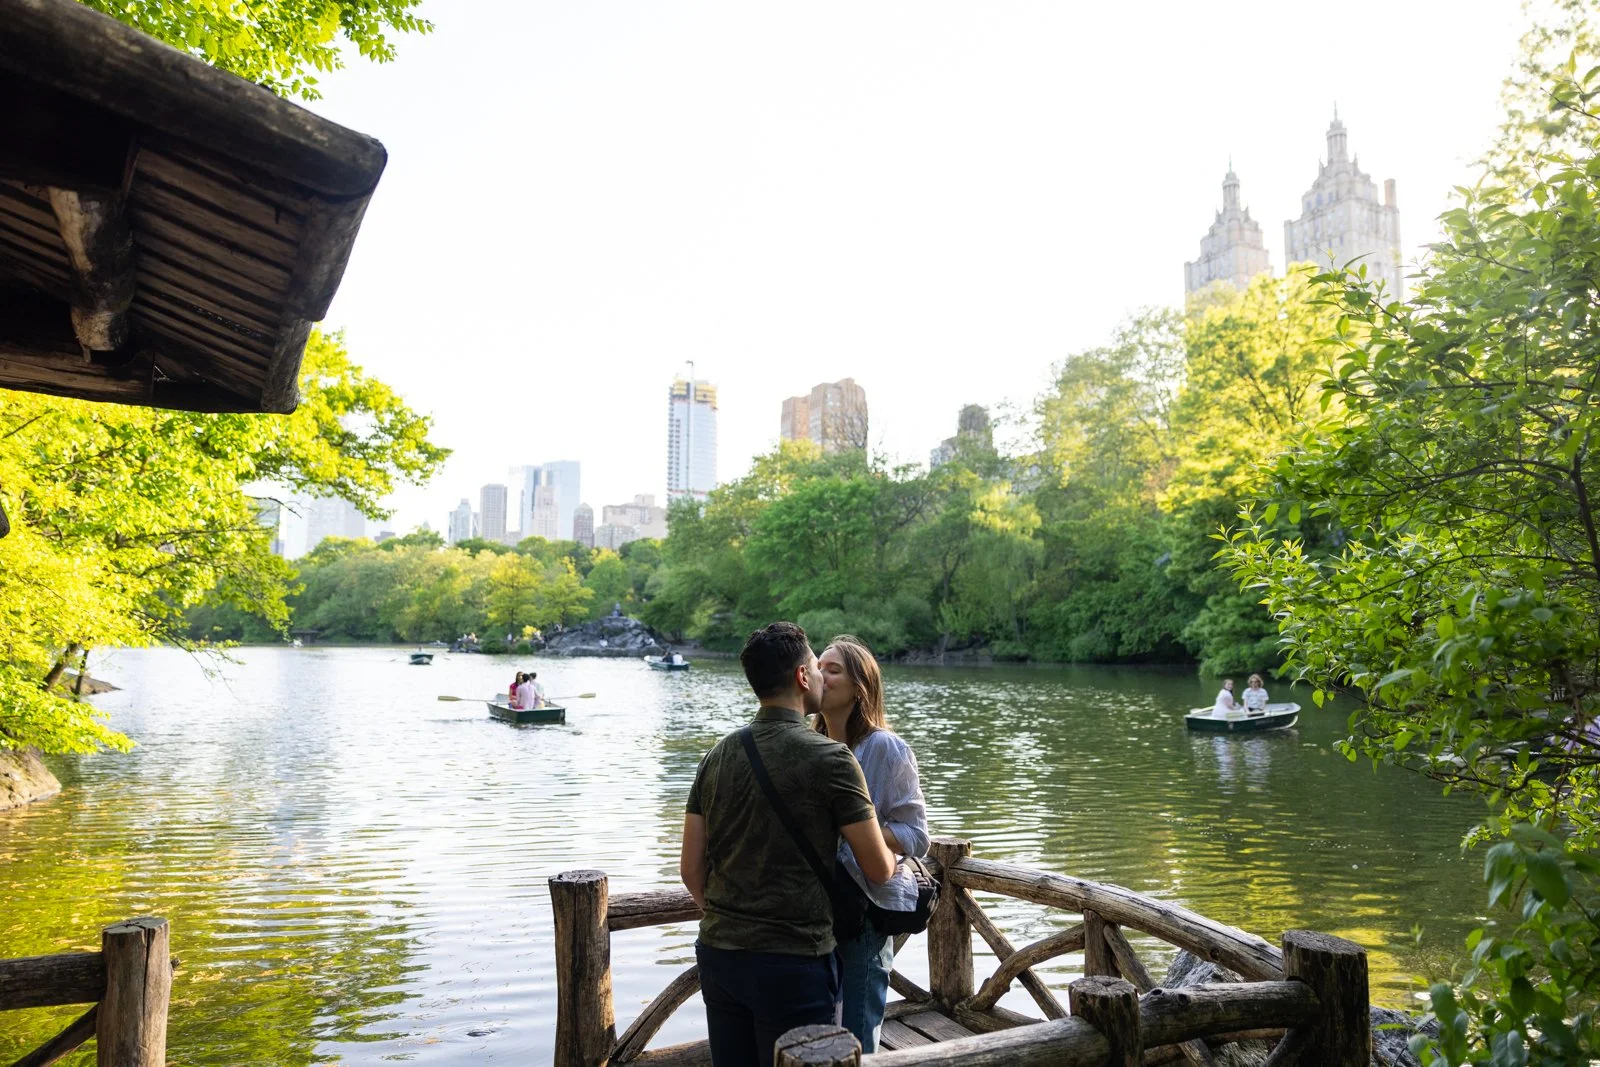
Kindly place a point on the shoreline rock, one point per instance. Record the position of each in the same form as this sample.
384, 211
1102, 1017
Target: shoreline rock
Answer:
613, 637
24, 778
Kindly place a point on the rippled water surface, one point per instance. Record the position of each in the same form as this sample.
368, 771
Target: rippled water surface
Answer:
355, 871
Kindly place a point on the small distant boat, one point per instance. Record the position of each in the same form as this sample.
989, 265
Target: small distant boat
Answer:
421, 659
1271, 717
527, 716
662, 663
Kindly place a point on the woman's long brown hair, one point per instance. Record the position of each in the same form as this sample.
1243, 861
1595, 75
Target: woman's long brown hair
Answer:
862, 669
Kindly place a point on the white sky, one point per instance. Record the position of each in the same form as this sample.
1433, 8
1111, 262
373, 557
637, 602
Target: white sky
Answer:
938, 199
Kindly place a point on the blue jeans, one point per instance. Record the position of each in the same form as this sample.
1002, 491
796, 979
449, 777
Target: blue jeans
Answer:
754, 998
865, 962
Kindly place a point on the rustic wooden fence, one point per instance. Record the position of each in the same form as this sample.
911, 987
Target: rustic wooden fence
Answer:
1310, 997
128, 982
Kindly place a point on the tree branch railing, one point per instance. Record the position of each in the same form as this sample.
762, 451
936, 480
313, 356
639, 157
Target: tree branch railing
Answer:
128, 983
1310, 994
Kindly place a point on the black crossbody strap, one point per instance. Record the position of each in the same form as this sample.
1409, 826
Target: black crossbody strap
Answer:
748, 737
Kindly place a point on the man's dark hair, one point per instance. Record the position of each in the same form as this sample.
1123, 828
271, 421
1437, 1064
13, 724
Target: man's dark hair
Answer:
770, 656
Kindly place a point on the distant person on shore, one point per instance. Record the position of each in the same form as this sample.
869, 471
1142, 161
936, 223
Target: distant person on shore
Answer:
1255, 694
530, 694
766, 940
852, 712
1225, 704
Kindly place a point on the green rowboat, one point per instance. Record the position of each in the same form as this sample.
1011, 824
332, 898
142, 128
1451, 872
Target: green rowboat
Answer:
1271, 717
527, 716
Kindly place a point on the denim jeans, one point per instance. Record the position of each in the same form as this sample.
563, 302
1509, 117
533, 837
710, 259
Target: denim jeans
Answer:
754, 998
864, 963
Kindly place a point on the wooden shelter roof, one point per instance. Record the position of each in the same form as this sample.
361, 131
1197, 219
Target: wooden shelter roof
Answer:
168, 231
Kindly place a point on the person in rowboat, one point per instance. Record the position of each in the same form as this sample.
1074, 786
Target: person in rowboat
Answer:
1226, 704
1255, 695
530, 694
852, 712
511, 694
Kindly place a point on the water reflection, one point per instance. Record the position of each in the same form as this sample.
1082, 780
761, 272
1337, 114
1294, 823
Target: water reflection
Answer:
355, 871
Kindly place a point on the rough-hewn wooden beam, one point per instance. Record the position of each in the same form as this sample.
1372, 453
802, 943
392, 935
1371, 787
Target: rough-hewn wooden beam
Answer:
95, 59
94, 227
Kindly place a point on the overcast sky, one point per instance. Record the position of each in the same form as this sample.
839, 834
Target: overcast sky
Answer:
940, 200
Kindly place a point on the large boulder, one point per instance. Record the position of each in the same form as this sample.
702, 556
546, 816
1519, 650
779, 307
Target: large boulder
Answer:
24, 778
1390, 1029
614, 636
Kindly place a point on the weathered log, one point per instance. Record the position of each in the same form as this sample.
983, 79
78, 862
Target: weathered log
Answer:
1249, 955
950, 975
1057, 1043
987, 1022
688, 1054
907, 988
1289, 1049
1336, 971
1023, 959
1097, 958
627, 911
1003, 949
669, 1000
817, 1046
94, 227
1173, 1016
1111, 1005
45, 981
131, 1025
936, 1025
77, 1032
1133, 969
585, 1026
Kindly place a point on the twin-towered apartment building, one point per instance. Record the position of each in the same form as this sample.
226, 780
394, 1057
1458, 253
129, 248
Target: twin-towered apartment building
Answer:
1342, 222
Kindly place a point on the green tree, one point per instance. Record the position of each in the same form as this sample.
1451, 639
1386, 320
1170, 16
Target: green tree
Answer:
275, 43
123, 518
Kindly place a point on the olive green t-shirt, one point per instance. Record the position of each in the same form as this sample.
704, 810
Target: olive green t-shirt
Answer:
761, 895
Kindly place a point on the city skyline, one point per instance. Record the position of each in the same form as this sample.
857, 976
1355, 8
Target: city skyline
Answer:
953, 195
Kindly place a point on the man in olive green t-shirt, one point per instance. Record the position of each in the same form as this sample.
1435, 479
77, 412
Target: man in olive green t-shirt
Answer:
766, 939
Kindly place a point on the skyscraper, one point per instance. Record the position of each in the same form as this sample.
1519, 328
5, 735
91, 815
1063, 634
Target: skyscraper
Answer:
492, 513
1341, 219
563, 478
332, 516
833, 414
1232, 250
583, 525
691, 439
460, 527
641, 514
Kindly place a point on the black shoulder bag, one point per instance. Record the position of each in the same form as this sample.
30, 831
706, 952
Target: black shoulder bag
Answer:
849, 902
850, 905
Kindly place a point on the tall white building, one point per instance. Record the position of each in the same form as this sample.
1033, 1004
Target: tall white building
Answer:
1233, 250
691, 440
492, 513
460, 527
563, 479
583, 525
1342, 219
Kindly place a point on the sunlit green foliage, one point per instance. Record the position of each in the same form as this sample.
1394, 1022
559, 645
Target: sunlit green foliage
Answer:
124, 517
276, 43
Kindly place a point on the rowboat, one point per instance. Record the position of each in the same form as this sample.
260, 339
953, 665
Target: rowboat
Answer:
527, 716
421, 659
1271, 717
662, 663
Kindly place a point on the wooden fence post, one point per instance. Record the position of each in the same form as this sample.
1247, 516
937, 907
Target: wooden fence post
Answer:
131, 1024
1111, 1006
950, 976
817, 1046
1336, 971
586, 1029
1097, 957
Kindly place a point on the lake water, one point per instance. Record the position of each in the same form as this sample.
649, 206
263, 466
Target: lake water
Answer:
355, 871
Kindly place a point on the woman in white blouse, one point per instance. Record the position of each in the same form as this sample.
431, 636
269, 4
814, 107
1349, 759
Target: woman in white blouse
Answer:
852, 712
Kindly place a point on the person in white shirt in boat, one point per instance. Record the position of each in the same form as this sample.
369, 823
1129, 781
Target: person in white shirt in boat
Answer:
1255, 695
530, 694
1225, 704
675, 658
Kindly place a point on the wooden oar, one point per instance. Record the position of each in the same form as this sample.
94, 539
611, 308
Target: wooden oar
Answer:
576, 696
